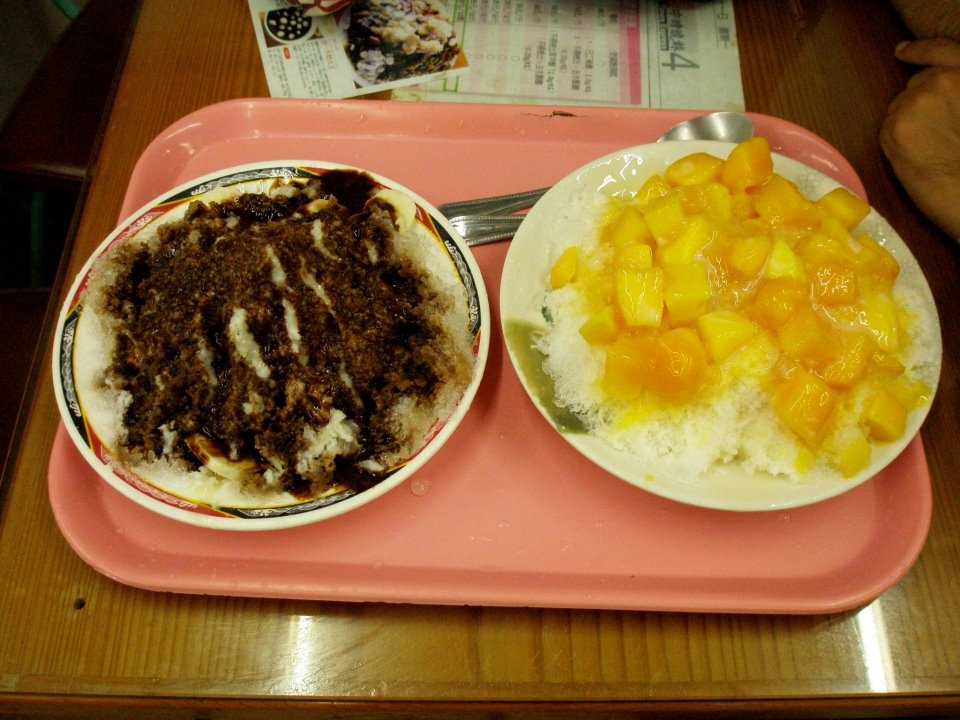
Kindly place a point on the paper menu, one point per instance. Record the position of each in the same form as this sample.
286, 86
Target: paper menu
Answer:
642, 53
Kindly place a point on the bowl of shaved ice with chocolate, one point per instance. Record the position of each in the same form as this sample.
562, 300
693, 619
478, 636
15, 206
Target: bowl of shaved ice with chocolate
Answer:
271, 345
721, 325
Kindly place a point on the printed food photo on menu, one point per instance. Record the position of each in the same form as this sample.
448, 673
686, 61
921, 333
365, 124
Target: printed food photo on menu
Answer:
340, 49
396, 40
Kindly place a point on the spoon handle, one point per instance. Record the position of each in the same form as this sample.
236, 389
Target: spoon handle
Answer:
482, 229
498, 205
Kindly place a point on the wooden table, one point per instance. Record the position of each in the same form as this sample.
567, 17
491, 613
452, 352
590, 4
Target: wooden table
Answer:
74, 641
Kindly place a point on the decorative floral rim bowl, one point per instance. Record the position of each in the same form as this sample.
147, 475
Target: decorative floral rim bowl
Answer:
442, 248
565, 215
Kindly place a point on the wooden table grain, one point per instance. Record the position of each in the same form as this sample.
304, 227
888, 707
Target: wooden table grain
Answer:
76, 643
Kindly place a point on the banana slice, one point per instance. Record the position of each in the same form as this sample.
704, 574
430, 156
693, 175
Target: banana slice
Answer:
404, 209
216, 461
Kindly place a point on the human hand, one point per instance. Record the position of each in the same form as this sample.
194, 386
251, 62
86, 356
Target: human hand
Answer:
921, 133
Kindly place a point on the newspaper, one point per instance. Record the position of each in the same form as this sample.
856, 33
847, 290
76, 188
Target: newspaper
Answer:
644, 53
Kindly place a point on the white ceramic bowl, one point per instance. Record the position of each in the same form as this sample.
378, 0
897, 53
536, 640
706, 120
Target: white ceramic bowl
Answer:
440, 242
548, 229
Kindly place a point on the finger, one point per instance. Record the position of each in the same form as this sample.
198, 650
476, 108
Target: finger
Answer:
937, 51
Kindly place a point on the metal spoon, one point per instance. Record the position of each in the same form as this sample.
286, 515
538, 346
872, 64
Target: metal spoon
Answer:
485, 220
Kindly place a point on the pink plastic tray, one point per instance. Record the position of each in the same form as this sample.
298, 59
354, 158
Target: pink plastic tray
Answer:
507, 513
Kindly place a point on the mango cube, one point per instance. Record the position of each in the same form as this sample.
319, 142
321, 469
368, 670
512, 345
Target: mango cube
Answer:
653, 187
804, 403
885, 416
677, 364
629, 228
780, 202
696, 235
851, 365
819, 248
694, 169
853, 456
749, 164
846, 207
875, 263
627, 363
725, 331
777, 300
595, 280
741, 206
602, 327
834, 284
686, 292
832, 227
664, 216
712, 199
784, 262
639, 255
564, 268
886, 364
879, 314
748, 255
640, 296
810, 340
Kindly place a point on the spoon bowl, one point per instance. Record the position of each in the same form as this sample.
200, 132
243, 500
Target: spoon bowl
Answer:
725, 126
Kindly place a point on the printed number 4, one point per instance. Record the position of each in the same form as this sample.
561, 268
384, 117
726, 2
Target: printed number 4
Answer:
679, 61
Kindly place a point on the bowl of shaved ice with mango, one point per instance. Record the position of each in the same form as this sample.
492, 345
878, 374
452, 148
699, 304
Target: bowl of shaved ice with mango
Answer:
721, 325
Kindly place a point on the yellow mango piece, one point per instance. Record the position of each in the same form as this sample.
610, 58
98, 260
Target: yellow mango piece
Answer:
695, 236
884, 416
804, 403
833, 228
784, 262
598, 287
912, 394
780, 202
686, 292
874, 263
742, 206
627, 366
725, 331
712, 199
853, 457
846, 207
834, 284
653, 187
819, 248
749, 164
640, 296
677, 364
748, 256
665, 217
694, 169
879, 314
777, 300
564, 268
886, 364
639, 255
602, 327
852, 363
810, 340
629, 228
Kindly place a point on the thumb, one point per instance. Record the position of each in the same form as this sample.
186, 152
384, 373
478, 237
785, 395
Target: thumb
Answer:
935, 51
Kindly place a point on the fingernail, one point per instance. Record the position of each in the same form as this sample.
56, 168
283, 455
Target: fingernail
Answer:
900, 46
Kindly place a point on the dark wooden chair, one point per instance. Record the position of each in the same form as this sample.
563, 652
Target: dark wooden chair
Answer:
46, 145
